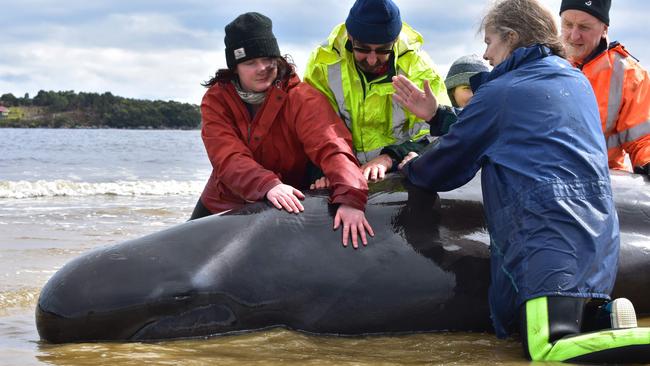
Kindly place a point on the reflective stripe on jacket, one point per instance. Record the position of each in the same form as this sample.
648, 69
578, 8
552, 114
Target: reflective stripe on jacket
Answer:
294, 125
622, 88
367, 107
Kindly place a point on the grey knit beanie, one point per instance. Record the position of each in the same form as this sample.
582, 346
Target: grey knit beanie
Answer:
462, 69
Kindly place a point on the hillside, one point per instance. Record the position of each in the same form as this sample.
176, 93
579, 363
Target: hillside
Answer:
67, 109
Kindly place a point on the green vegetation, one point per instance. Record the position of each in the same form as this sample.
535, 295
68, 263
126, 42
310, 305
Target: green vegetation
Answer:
67, 109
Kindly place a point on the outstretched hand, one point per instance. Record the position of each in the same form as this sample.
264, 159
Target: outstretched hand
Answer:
421, 103
354, 223
287, 197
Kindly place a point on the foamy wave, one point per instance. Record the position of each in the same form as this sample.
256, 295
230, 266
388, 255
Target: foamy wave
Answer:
43, 188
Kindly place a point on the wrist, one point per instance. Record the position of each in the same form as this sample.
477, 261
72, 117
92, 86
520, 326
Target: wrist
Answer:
270, 186
387, 161
429, 116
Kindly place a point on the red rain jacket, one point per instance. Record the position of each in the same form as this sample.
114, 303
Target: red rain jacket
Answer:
295, 124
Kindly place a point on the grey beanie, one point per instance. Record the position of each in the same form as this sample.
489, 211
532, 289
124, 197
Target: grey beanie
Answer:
462, 69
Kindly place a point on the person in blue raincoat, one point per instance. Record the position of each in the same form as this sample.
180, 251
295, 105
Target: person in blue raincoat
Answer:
533, 129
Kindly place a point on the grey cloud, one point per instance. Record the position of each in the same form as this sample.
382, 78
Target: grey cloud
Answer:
15, 77
131, 42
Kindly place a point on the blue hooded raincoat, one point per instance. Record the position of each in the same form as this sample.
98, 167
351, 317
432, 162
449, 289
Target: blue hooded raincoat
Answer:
534, 130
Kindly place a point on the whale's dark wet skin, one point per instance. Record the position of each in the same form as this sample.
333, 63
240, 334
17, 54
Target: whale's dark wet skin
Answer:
427, 269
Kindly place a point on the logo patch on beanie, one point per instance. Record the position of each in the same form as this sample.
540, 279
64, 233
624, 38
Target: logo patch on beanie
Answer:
239, 53
588, 3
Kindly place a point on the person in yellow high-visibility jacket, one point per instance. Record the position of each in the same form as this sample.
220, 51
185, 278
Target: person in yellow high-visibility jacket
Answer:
354, 69
621, 84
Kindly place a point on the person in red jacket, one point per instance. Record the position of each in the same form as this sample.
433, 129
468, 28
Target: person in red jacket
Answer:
261, 126
621, 84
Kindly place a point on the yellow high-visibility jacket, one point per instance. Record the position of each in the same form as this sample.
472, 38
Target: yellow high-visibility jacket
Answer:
367, 107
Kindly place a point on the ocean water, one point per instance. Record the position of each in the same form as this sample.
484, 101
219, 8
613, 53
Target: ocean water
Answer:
64, 192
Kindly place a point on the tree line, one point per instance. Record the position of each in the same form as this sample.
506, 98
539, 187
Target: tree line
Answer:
92, 110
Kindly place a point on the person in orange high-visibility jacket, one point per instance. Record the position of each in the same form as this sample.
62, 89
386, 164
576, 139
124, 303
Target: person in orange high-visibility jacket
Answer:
621, 84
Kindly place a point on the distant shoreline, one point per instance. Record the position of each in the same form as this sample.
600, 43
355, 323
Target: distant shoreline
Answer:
67, 109
141, 128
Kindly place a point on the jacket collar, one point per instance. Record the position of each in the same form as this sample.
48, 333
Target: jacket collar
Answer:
517, 58
283, 85
602, 47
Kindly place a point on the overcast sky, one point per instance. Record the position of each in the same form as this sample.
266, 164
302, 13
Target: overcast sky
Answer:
164, 49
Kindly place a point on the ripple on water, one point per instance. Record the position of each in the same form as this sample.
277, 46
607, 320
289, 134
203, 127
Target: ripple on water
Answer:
282, 347
13, 300
269, 347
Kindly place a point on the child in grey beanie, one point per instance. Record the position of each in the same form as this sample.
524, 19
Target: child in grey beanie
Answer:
457, 81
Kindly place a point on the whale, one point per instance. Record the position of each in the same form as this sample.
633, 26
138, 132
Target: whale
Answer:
426, 269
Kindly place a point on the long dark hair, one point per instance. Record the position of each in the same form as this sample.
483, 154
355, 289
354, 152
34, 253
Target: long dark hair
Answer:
286, 70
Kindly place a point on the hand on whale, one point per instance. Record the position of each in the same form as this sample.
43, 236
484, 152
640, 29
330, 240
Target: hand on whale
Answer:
284, 196
355, 225
376, 169
353, 221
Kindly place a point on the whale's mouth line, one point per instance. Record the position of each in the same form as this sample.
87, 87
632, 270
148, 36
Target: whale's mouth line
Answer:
206, 314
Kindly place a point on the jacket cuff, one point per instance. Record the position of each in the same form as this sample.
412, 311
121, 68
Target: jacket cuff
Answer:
352, 197
267, 187
443, 119
397, 153
394, 155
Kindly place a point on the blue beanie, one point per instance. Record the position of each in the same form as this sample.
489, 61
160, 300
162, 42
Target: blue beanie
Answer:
374, 21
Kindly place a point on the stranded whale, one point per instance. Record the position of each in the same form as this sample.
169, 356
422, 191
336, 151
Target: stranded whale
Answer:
427, 269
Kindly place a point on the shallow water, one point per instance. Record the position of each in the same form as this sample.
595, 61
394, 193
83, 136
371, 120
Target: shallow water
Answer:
19, 345
272, 347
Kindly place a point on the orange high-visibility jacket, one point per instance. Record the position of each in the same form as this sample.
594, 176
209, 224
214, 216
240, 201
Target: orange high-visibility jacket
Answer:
622, 88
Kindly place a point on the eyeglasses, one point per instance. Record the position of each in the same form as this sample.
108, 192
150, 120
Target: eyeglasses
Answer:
377, 51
